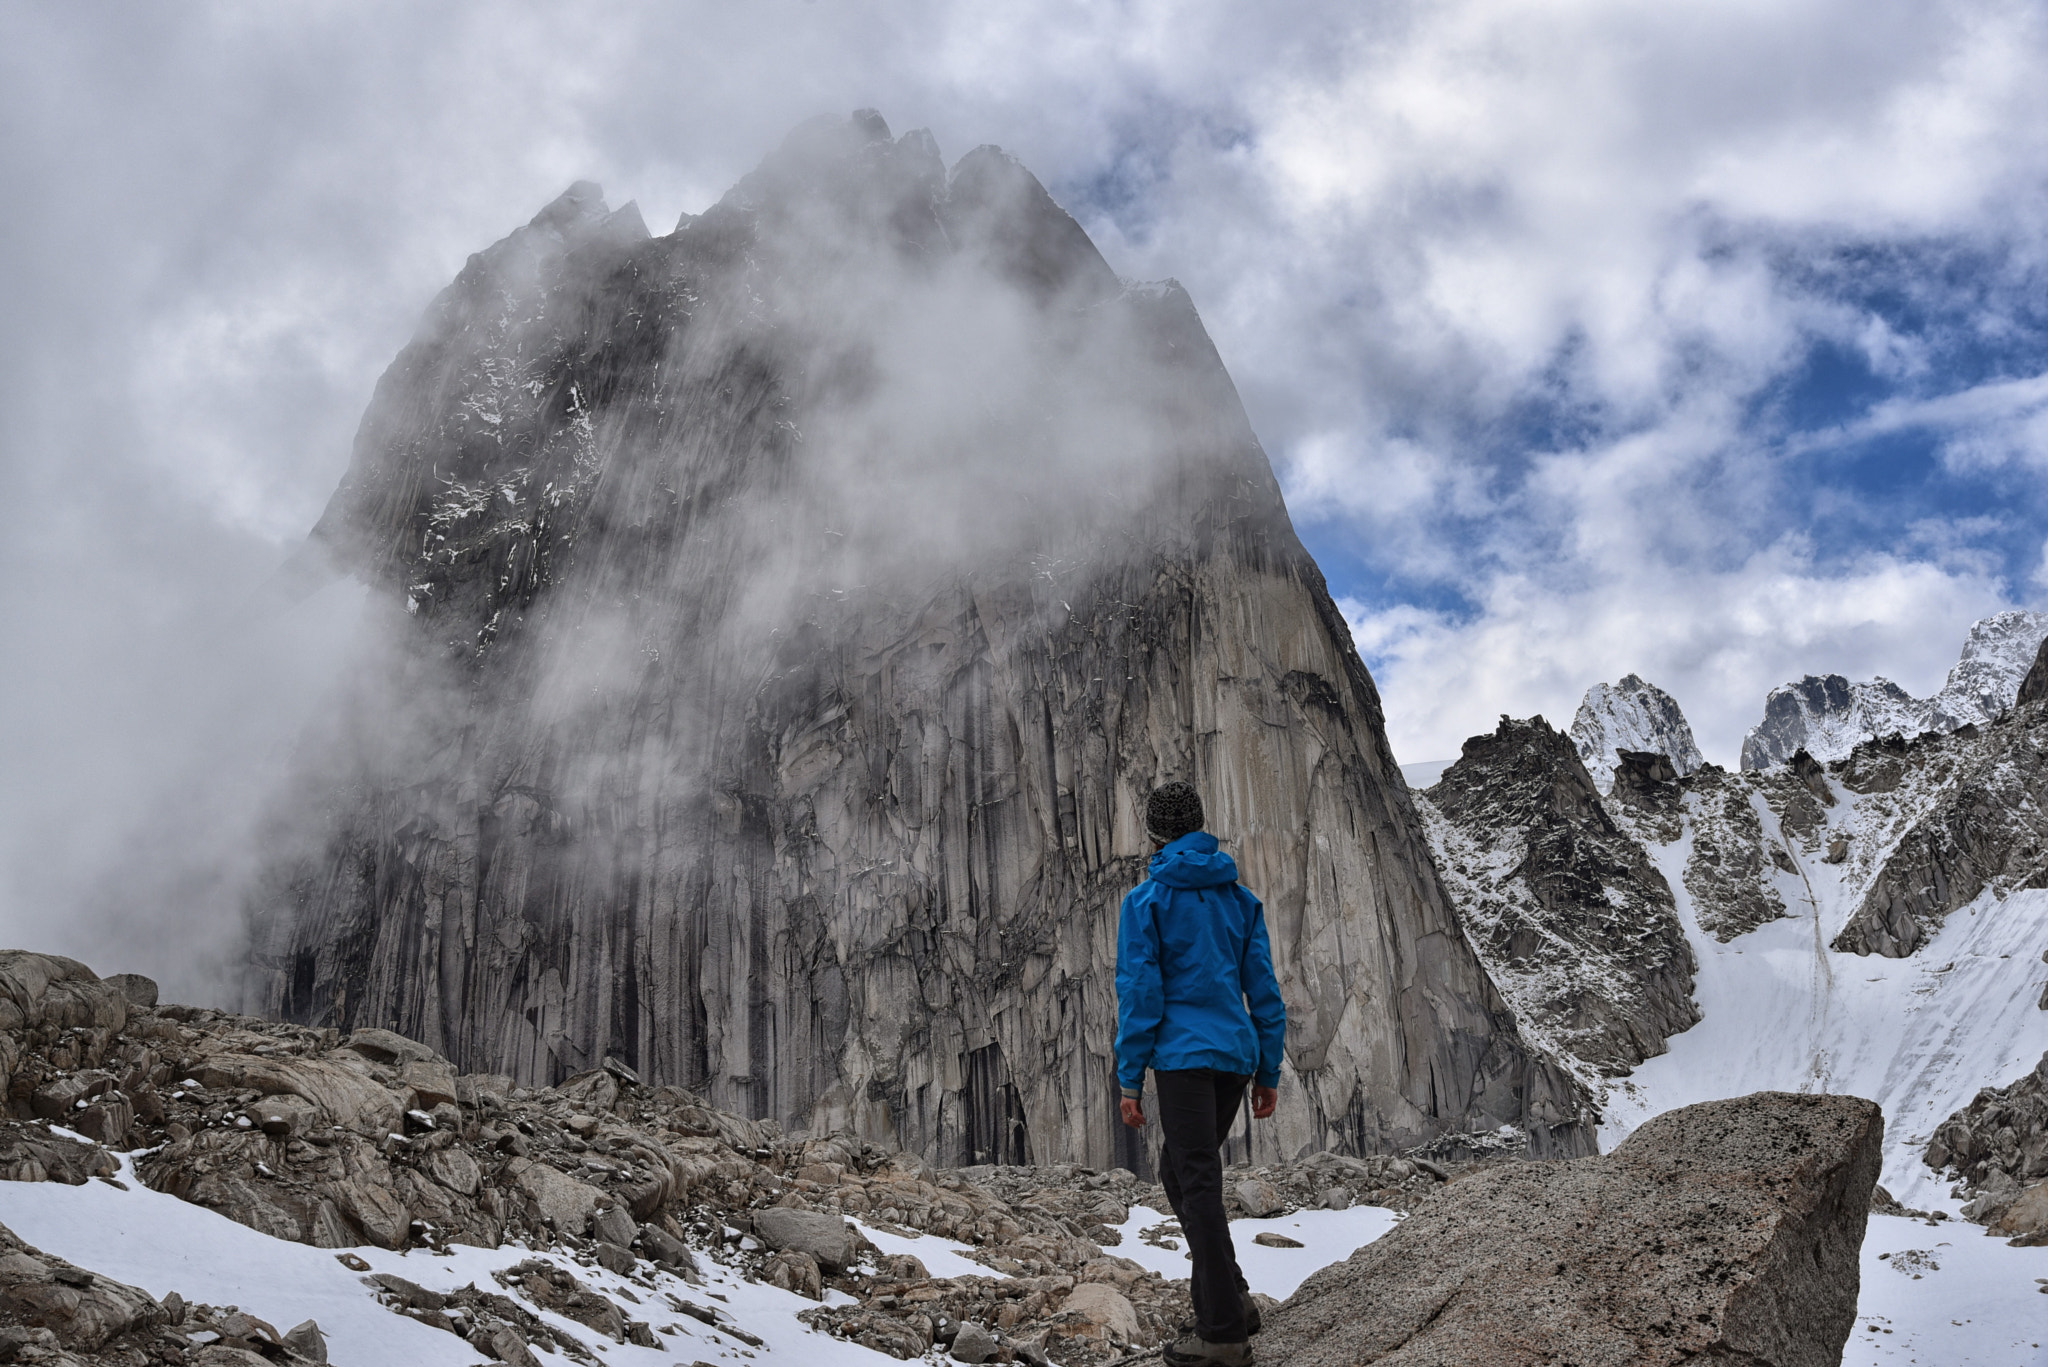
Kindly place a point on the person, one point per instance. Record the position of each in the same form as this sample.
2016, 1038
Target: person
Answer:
1199, 1005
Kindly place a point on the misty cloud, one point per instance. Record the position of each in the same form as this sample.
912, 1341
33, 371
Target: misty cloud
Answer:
1702, 343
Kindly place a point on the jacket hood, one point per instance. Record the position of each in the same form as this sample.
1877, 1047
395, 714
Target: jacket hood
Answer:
1194, 861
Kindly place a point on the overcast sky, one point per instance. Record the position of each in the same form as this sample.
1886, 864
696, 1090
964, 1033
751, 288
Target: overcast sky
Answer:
1707, 342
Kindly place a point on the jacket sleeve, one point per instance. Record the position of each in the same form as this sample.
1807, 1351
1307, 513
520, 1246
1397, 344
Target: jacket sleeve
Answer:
1262, 995
1140, 994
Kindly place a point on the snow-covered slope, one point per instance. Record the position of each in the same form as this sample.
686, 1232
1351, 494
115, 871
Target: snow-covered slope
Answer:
162, 1244
1791, 1002
1631, 715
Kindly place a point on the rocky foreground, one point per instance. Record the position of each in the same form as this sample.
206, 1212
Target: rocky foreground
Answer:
1730, 1227
371, 1139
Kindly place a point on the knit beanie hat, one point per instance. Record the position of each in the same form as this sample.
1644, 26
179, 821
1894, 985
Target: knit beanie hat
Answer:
1173, 810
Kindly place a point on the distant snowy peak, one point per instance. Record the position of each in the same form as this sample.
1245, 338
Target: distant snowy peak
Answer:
1995, 659
1631, 715
1828, 716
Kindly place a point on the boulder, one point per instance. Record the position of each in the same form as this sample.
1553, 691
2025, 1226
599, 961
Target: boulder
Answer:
344, 1096
307, 1341
388, 1046
2026, 1219
825, 1237
1728, 1230
82, 1309
1259, 1198
433, 1080
30, 1153
566, 1203
50, 992
973, 1344
139, 990
1105, 1309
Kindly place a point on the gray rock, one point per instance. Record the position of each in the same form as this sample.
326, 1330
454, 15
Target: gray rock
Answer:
827, 1238
1335, 1198
1729, 871
1104, 1307
972, 1344
410, 1294
1259, 1198
388, 1046
1982, 823
1581, 932
792, 1269
139, 990
614, 1258
84, 1311
564, 1201
663, 1247
2034, 688
307, 1341
614, 1225
646, 581
1998, 1145
1729, 1230
507, 1346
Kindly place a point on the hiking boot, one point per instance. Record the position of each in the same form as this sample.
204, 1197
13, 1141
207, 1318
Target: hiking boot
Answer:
1251, 1317
1192, 1350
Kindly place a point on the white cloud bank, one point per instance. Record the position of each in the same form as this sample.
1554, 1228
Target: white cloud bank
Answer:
1502, 283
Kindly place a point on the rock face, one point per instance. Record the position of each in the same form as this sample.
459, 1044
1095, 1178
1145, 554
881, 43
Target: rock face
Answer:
1828, 716
1972, 815
2034, 688
1726, 1231
1996, 657
1998, 1146
1632, 715
788, 616
1565, 908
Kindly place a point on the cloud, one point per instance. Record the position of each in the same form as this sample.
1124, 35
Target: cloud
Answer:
1699, 340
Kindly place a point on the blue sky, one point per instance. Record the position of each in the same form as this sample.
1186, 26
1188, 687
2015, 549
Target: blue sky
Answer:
1704, 341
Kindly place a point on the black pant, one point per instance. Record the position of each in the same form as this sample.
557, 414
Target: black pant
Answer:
1196, 1109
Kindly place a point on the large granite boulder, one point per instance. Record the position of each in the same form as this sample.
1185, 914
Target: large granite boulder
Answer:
1728, 1230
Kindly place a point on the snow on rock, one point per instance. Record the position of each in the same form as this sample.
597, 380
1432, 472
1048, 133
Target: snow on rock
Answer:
1828, 716
1631, 715
1969, 812
1562, 905
1996, 657
1948, 1297
162, 1244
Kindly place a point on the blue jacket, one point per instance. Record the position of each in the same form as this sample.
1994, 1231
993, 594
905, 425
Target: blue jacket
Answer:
1191, 952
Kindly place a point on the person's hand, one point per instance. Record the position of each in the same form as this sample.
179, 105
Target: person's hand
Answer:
1134, 1114
1264, 1099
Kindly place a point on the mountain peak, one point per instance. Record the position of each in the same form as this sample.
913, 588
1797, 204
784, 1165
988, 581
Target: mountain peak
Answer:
1828, 715
1632, 715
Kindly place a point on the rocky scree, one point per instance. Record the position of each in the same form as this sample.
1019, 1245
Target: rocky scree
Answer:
1997, 1148
370, 1138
